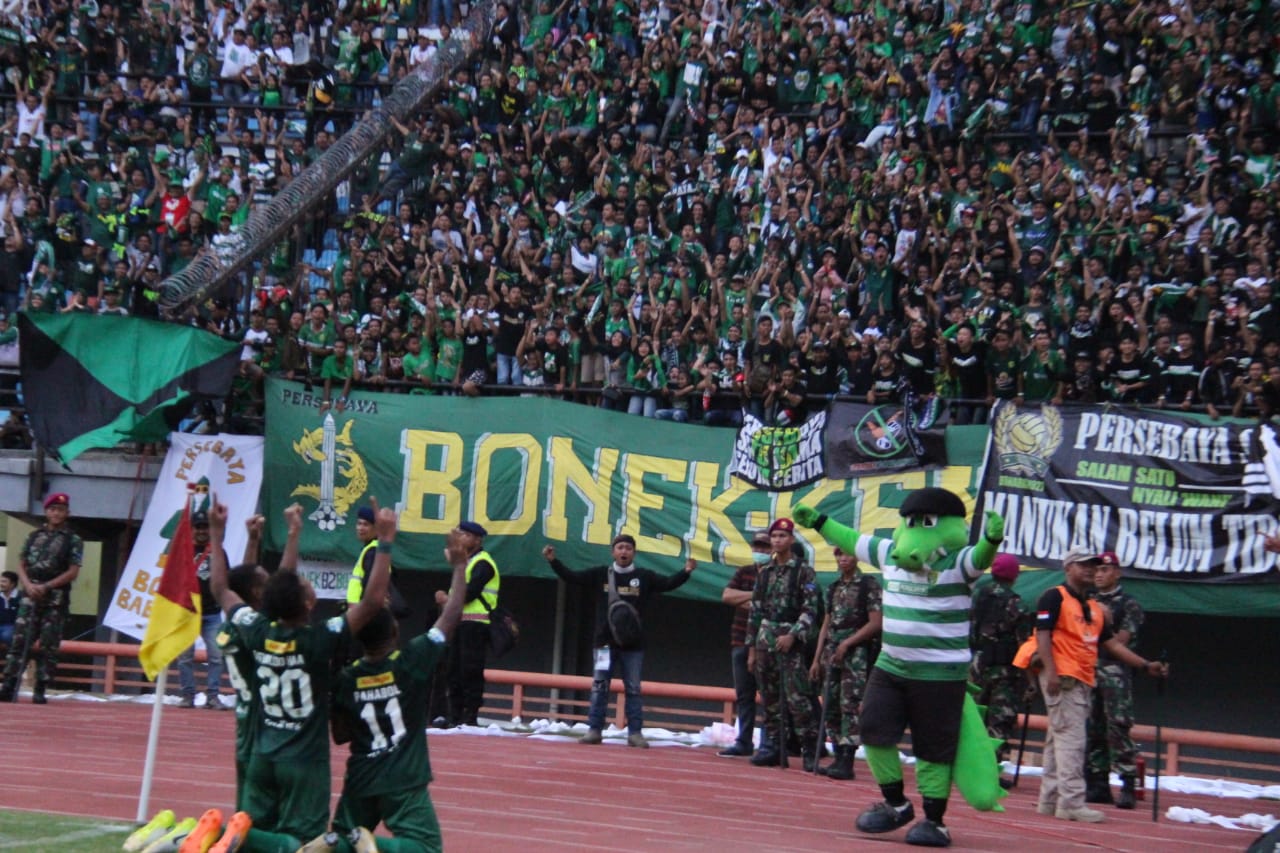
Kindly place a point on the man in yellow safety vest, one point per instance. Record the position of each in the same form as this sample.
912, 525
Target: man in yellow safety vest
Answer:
471, 641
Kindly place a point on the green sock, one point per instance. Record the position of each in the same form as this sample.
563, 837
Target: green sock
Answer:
261, 841
933, 780
884, 763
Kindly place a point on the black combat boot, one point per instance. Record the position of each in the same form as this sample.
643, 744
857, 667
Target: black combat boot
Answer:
9, 692
1125, 800
809, 756
1097, 787
842, 767
766, 756
37, 696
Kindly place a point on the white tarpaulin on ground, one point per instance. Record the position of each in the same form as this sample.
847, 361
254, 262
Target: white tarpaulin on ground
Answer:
233, 465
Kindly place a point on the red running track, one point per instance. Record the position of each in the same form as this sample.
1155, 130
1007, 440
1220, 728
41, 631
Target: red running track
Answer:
491, 793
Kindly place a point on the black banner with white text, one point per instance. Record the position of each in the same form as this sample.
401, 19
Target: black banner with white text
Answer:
1174, 497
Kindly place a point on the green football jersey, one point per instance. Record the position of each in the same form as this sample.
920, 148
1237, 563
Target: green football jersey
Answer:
238, 658
385, 706
291, 674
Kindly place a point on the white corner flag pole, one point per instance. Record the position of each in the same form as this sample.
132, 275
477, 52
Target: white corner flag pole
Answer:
153, 741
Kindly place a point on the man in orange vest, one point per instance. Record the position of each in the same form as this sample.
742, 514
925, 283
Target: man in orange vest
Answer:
1069, 628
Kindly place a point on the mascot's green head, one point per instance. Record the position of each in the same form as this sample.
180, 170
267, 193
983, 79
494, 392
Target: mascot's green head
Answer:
932, 526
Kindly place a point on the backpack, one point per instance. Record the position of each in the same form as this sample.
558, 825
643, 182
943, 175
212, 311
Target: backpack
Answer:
622, 617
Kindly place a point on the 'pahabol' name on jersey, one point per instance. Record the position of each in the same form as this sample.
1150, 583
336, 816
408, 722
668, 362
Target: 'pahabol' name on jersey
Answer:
384, 706
926, 614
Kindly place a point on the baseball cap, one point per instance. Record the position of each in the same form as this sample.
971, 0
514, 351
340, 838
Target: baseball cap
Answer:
473, 528
761, 540
365, 514
1082, 555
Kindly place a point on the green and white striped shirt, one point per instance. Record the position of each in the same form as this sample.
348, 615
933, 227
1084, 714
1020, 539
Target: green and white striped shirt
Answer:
926, 614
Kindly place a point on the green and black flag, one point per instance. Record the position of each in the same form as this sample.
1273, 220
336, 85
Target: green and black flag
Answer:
94, 381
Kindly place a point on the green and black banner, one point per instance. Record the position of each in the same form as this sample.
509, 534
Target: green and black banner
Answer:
1174, 496
780, 458
867, 439
94, 381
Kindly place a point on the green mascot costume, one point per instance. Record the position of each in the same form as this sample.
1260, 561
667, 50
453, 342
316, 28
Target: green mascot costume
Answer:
919, 679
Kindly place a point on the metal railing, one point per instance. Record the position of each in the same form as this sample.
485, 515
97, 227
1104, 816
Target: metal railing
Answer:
112, 668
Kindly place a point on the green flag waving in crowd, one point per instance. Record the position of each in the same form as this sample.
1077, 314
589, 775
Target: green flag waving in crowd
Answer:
93, 381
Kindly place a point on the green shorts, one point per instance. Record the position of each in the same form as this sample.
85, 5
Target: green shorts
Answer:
408, 814
288, 797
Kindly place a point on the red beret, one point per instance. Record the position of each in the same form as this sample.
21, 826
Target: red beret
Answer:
57, 499
784, 524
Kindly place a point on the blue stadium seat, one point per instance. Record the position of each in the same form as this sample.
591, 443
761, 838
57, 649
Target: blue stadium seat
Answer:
330, 239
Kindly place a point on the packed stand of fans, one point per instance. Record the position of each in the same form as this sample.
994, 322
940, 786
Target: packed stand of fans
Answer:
679, 211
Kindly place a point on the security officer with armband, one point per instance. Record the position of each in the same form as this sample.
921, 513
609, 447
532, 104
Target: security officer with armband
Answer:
1109, 742
997, 627
785, 611
467, 652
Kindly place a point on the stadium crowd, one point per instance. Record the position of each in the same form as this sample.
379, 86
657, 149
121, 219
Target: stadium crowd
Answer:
675, 209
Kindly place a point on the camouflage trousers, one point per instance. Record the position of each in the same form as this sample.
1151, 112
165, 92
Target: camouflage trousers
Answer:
1109, 744
36, 623
1001, 689
846, 682
773, 670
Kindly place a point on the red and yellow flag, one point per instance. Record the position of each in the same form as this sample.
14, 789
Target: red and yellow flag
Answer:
175, 610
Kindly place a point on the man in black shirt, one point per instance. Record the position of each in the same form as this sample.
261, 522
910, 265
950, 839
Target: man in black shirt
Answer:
821, 374
513, 315
919, 356
1129, 374
1181, 373
1217, 379
635, 586
1082, 386
787, 399
968, 363
763, 356
1099, 106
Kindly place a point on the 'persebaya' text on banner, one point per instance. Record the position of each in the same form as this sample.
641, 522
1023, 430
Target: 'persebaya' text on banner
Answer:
1172, 496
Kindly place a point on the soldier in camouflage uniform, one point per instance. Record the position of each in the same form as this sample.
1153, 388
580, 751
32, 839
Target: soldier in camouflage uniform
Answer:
852, 622
1109, 743
785, 607
49, 564
998, 627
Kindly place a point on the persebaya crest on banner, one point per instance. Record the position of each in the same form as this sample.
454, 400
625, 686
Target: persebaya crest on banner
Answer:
780, 458
1026, 439
336, 456
1177, 498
